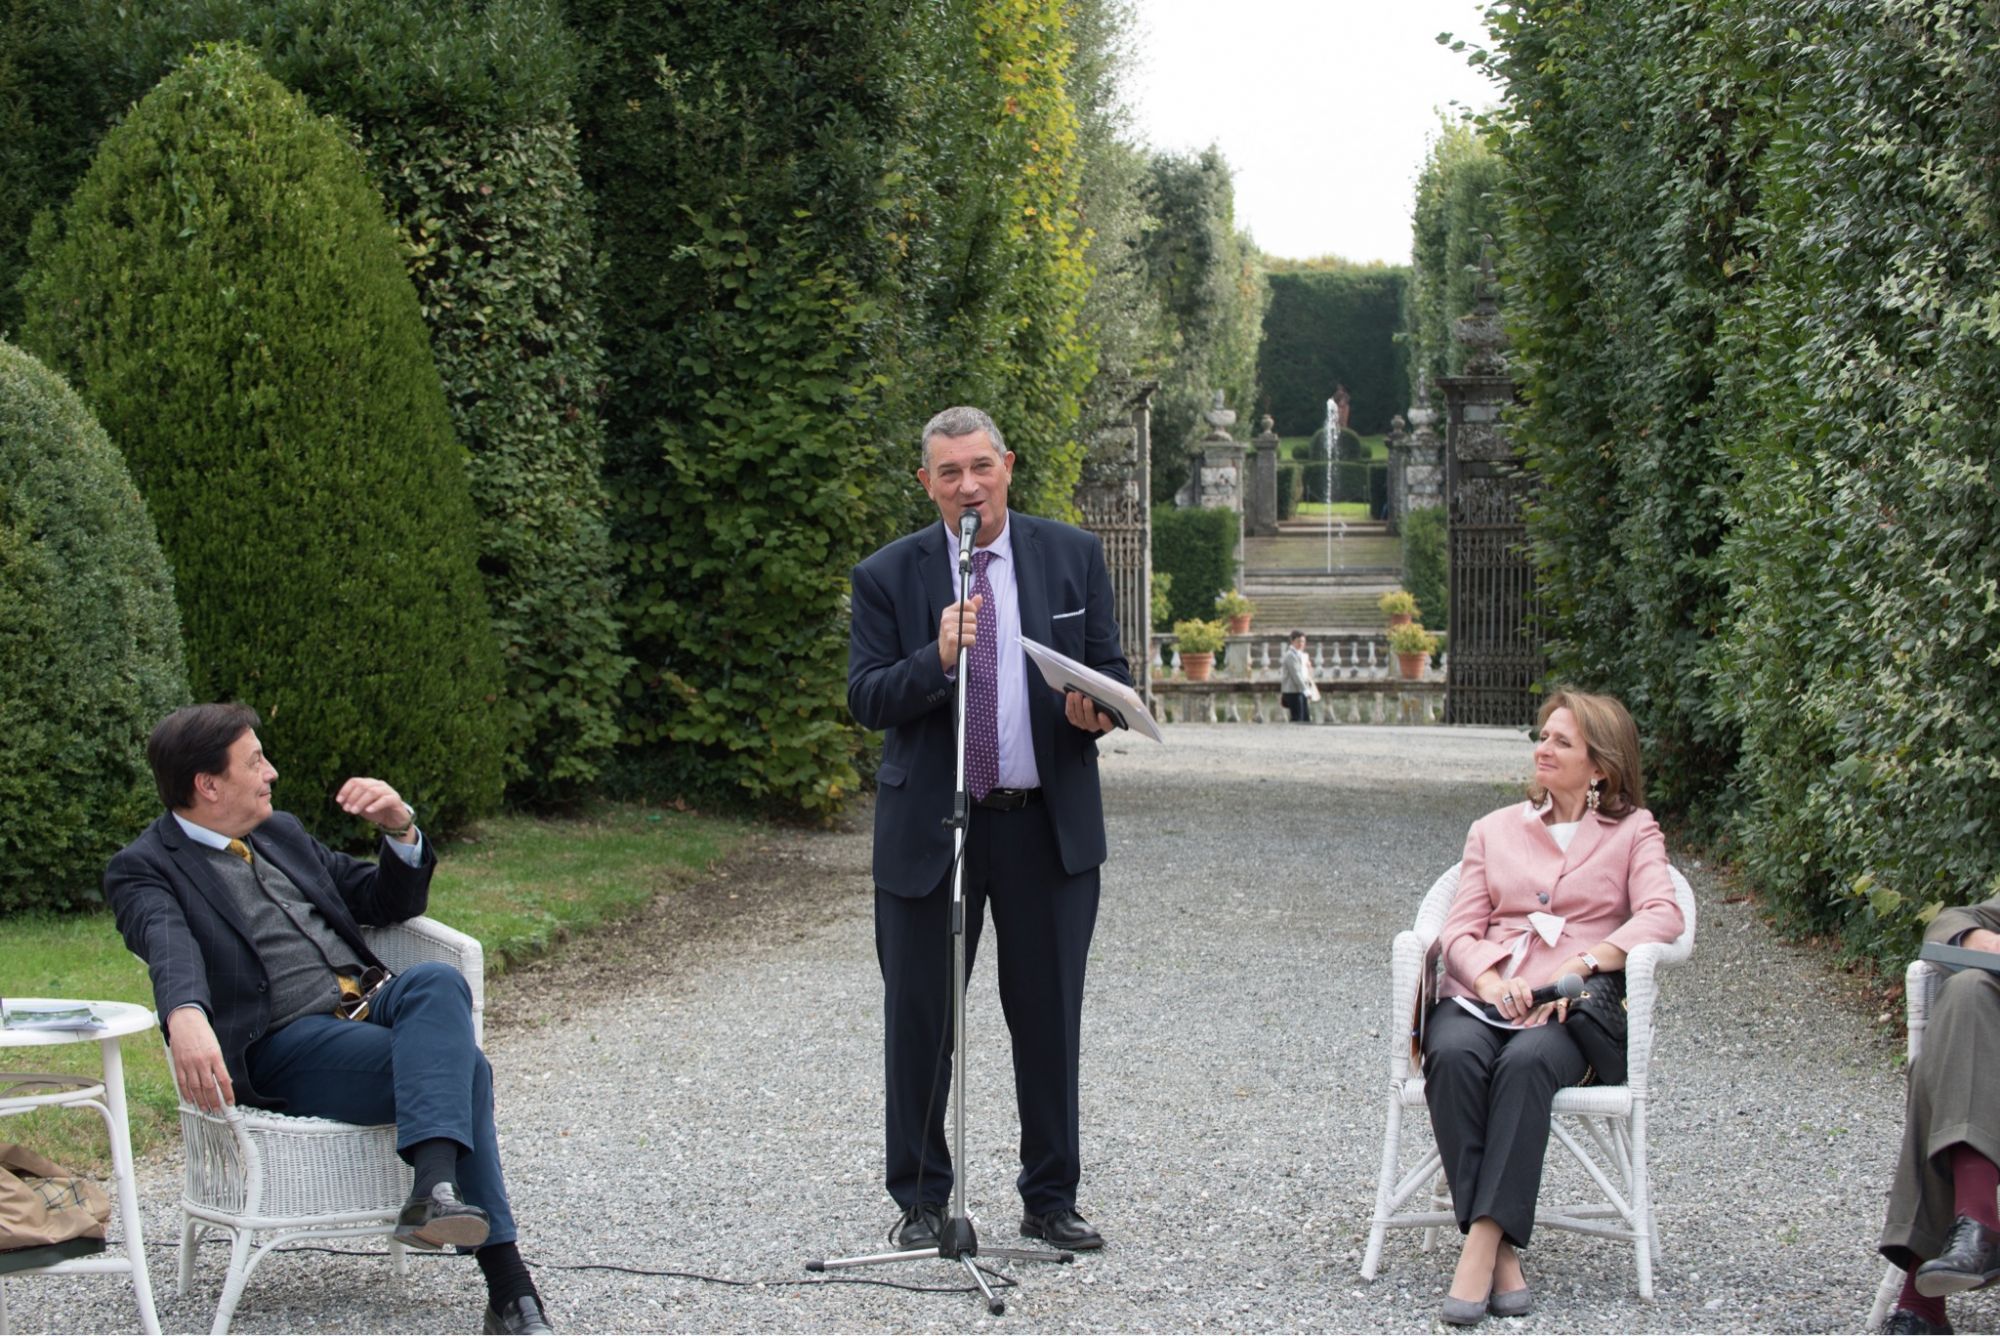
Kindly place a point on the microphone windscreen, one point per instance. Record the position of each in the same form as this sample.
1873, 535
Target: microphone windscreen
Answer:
1570, 986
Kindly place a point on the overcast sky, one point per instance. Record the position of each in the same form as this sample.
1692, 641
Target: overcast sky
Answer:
1324, 108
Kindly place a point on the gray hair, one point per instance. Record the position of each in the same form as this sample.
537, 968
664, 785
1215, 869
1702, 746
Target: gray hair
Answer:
962, 421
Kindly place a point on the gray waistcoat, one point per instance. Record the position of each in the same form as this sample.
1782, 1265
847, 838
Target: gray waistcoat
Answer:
299, 950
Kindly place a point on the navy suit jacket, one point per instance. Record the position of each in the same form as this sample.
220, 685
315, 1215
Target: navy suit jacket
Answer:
895, 683
175, 914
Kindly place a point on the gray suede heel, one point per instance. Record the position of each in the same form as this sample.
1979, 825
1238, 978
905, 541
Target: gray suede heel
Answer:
1513, 1303
1463, 1312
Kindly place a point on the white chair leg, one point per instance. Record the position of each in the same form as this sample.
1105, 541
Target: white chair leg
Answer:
190, 1240
232, 1285
1385, 1186
1885, 1294
399, 1259
1440, 1201
1642, 1200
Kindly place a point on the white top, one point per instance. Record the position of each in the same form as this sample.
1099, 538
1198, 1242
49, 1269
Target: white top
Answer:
1564, 831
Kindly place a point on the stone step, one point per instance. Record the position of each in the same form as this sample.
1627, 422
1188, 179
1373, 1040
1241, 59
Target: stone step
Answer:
1308, 552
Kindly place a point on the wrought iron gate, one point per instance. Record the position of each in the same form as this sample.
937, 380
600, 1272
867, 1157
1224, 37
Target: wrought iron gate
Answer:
1116, 500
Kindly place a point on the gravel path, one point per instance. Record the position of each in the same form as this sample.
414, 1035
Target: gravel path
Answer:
709, 1101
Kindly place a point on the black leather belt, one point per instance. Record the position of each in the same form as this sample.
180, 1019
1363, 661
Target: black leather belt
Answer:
1008, 800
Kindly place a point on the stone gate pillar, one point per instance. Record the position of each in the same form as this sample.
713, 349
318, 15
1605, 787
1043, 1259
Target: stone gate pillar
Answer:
1260, 518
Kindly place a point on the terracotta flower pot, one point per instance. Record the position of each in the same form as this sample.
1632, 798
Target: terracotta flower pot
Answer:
1197, 666
1399, 619
1240, 626
1413, 665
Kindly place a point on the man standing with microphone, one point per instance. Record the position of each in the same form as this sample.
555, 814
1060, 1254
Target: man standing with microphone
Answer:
1035, 838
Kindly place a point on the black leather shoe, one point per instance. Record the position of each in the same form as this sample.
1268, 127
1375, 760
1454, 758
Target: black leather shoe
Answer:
441, 1220
1903, 1321
919, 1228
524, 1316
1970, 1260
1064, 1228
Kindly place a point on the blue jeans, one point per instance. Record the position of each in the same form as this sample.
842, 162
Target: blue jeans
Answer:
413, 1063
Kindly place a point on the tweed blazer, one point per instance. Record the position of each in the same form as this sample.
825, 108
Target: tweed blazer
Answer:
176, 915
1611, 885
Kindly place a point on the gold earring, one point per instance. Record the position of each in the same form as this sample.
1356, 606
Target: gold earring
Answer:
1590, 795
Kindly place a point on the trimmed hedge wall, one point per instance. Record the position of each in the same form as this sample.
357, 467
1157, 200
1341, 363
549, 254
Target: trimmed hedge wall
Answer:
1785, 326
1288, 490
228, 295
1333, 327
91, 638
1198, 549
1426, 574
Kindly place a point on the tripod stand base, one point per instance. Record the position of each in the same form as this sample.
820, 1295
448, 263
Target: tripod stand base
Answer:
958, 1244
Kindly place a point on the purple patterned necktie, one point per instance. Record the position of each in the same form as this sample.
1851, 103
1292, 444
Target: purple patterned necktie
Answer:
982, 689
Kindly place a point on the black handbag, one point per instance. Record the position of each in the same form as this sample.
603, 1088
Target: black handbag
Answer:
1597, 1021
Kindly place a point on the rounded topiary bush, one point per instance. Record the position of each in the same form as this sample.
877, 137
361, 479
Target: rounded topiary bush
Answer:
89, 637
226, 292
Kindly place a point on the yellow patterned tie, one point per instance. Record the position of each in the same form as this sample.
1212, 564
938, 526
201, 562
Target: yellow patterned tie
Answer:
240, 849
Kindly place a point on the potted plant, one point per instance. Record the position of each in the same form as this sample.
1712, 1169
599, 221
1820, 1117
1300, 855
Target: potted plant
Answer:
1399, 606
1413, 647
1198, 642
1235, 609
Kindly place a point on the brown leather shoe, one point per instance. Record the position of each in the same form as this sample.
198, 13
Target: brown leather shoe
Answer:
440, 1220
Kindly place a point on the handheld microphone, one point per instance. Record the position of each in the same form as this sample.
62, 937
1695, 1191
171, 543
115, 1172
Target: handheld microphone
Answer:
968, 530
1570, 986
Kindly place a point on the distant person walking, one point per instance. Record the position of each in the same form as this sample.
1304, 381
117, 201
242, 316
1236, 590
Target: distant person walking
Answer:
1297, 689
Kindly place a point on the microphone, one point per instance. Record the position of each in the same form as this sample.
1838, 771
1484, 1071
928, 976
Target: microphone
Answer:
1570, 986
968, 530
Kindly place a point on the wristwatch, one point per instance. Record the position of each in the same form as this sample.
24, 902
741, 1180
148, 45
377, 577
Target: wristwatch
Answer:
410, 823
1589, 961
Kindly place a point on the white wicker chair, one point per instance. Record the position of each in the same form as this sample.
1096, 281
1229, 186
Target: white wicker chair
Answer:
1611, 1118
266, 1179
1921, 983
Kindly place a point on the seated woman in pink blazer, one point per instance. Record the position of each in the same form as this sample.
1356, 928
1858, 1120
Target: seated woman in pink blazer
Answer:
1565, 883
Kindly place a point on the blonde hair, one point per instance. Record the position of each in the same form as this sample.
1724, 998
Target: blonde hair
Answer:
1611, 740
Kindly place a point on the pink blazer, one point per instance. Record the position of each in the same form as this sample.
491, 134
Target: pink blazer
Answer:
1611, 886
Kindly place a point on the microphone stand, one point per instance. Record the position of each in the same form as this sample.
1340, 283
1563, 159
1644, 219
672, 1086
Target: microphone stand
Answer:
958, 1243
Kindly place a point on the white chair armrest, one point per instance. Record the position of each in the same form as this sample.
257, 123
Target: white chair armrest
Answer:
1642, 966
1920, 988
414, 941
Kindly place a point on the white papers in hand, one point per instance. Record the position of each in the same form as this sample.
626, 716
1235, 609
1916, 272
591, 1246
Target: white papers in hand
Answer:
1472, 1005
1112, 696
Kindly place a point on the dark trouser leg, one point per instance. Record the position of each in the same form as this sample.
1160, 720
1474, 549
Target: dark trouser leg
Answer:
1947, 1105
1044, 919
1295, 705
913, 946
1489, 1093
412, 1063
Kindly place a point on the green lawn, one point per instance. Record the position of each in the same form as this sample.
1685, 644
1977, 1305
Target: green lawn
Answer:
520, 884
1374, 447
1343, 510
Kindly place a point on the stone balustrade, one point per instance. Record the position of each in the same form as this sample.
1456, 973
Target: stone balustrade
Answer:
1336, 656
1356, 674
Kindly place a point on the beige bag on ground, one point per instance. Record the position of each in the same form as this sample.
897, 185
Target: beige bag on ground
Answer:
48, 1208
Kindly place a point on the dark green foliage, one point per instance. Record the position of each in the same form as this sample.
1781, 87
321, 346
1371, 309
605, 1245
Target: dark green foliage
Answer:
1210, 285
91, 641
1378, 490
1425, 571
1456, 223
1198, 549
1863, 660
463, 112
1623, 197
1288, 490
1330, 327
752, 164
228, 296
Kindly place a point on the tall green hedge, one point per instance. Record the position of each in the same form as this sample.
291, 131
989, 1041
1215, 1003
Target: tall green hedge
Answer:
1456, 224
1198, 549
756, 180
1750, 259
227, 294
463, 111
1330, 327
1426, 560
91, 641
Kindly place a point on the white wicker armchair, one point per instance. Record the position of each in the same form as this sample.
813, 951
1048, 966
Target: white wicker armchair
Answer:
1921, 983
1612, 1119
266, 1179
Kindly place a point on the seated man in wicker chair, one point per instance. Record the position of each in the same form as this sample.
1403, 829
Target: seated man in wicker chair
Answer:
1942, 1227
268, 994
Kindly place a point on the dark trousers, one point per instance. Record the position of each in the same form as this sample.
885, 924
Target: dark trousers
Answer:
1044, 918
1949, 1103
1489, 1093
413, 1063
1295, 705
